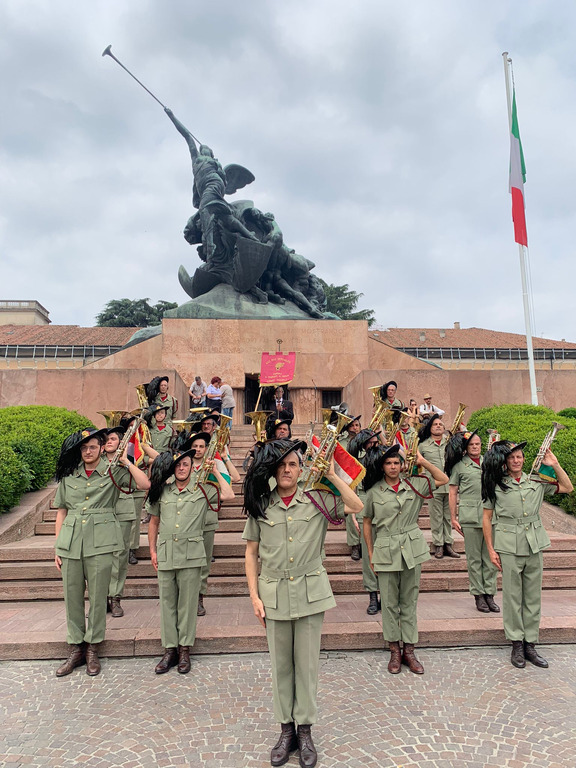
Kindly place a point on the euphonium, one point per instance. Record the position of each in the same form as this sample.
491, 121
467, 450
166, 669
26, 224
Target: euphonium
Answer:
341, 422
381, 410
458, 419
217, 442
313, 474
259, 419
546, 443
130, 432
142, 396
113, 418
412, 452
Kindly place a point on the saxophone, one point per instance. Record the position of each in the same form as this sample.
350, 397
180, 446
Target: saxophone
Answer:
217, 443
548, 474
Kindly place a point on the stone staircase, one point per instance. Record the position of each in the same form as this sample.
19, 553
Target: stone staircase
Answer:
32, 621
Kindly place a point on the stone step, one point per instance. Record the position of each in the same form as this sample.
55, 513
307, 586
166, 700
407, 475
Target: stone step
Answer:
232, 545
38, 630
233, 586
45, 570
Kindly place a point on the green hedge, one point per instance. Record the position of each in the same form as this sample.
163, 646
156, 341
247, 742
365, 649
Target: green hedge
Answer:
30, 440
570, 412
531, 423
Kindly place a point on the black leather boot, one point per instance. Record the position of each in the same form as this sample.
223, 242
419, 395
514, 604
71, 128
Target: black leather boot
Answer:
372, 609
491, 604
532, 655
517, 655
308, 754
286, 744
481, 604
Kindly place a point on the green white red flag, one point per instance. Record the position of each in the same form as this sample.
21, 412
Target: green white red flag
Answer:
348, 469
517, 179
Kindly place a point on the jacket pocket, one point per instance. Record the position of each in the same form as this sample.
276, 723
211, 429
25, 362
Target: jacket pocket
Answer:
470, 513
66, 532
268, 591
318, 585
542, 538
418, 544
382, 554
505, 539
195, 548
161, 552
105, 532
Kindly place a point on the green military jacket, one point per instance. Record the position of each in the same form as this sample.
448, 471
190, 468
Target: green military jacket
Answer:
161, 438
90, 526
344, 440
435, 454
518, 528
172, 404
293, 582
467, 475
181, 532
399, 543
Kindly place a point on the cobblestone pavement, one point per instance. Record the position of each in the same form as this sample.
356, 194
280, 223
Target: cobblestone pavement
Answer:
471, 709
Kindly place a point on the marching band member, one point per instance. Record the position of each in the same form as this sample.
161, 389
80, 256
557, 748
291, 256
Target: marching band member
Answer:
161, 431
388, 394
513, 501
286, 529
464, 468
157, 393
87, 533
176, 534
433, 447
391, 509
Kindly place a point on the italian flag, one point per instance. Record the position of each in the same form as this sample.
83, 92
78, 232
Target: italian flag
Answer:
221, 467
348, 469
517, 179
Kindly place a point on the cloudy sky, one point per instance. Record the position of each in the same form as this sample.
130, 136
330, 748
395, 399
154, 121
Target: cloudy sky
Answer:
377, 132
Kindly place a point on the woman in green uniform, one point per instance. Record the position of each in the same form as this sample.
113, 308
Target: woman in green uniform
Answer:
391, 509
464, 468
161, 432
286, 529
432, 447
176, 536
87, 533
512, 501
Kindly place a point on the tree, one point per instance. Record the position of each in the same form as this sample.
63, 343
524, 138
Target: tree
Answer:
133, 313
342, 301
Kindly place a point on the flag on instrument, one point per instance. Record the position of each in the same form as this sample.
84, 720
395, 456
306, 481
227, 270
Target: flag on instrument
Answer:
135, 452
221, 467
517, 179
547, 474
348, 469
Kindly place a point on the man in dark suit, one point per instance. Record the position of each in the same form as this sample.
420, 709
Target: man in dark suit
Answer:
280, 404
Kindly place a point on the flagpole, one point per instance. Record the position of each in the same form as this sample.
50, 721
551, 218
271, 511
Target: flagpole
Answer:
522, 253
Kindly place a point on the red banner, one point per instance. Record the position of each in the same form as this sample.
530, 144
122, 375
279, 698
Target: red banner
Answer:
277, 368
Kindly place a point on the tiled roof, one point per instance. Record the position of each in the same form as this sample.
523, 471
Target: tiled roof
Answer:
64, 335
462, 338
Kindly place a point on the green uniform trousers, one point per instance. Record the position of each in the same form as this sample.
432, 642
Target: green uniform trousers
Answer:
295, 657
440, 521
399, 595
352, 535
135, 533
178, 590
94, 573
208, 549
521, 595
482, 575
120, 561
369, 579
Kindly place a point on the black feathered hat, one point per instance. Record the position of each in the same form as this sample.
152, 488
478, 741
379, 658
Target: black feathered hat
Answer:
70, 456
257, 489
494, 468
425, 431
197, 425
272, 423
456, 448
358, 442
162, 467
153, 387
374, 463
120, 430
346, 426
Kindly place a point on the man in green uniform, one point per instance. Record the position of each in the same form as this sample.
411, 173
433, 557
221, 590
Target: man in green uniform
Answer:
391, 509
178, 511
433, 448
513, 500
161, 431
359, 446
464, 468
286, 528
87, 533
157, 393
353, 537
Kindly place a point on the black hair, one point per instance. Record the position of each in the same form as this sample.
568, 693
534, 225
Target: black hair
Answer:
70, 457
425, 431
374, 465
455, 451
160, 471
256, 485
494, 468
357, 443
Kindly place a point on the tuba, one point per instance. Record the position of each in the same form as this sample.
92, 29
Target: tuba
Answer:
113, 418
259, 419
457, 419
548, 473
381, 410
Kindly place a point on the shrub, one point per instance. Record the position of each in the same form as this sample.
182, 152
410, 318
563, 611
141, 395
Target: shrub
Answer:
532, 423
32, 435
570, 412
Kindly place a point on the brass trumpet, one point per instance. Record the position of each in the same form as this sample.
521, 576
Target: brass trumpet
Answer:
546, 443
457, 419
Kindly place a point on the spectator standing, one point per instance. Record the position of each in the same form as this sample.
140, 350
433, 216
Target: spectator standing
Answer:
228, 401
214, 394
198, 392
